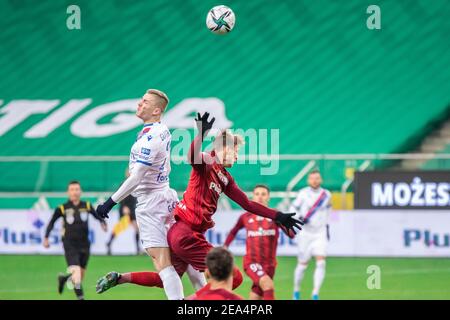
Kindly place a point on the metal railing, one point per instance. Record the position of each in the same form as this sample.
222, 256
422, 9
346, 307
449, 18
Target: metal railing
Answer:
366, 162
262, 157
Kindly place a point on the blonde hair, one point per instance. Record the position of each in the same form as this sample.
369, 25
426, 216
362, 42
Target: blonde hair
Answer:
163, 101
226, 139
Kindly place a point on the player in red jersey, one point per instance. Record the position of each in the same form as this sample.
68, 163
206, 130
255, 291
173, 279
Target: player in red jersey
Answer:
193, 214
219, 271
209, 179
261, 247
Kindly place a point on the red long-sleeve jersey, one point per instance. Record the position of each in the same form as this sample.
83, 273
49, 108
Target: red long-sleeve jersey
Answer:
261, 241
208, 180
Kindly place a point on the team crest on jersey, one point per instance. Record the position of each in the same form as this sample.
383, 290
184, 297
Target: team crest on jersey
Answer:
140, 134
84, 216
69, 213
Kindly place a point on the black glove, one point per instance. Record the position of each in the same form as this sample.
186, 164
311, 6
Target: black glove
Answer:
103, 209
286, 221
289, 233
203, 125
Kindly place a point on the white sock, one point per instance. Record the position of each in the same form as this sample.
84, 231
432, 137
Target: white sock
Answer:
319, 275
298, 275
172, 283
197, 278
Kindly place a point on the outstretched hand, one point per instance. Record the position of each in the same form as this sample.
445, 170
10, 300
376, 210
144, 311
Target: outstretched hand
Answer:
290, 233
288, 223
203, 125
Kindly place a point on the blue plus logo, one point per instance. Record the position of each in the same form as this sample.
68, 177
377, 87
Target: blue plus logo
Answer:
429, 239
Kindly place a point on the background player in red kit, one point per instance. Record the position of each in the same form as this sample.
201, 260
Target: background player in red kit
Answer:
261, 247
219, 271
208, 180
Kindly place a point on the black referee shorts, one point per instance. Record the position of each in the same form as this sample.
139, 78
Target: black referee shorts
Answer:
76, 254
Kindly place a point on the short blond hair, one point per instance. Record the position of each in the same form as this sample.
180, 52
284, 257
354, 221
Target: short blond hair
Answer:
227, 138
163, 101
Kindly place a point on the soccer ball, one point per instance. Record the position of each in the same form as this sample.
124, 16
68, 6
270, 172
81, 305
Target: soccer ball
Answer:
220, 20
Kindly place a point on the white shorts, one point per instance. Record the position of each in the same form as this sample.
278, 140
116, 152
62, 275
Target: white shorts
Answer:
154, 217
311, 245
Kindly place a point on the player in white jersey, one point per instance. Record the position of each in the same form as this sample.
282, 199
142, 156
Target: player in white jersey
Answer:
149, 168
312, 205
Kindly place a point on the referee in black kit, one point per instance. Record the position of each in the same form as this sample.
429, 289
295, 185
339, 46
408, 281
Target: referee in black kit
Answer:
74, 236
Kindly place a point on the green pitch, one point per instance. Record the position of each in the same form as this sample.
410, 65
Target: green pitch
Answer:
34, 277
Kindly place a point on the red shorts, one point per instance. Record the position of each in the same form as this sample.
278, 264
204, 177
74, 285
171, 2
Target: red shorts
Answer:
187, 247
256, 271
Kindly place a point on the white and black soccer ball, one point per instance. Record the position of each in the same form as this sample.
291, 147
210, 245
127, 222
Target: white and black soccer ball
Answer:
220, 20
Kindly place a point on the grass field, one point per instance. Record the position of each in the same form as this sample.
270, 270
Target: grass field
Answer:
34, 277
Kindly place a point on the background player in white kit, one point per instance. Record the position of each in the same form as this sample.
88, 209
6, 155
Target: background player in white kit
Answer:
312, 205
149, 169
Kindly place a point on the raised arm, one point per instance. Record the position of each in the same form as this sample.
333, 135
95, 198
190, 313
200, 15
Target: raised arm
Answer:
238, 226
195, 151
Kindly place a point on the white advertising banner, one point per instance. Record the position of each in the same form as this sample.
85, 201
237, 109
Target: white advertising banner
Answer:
390, 233
22, 232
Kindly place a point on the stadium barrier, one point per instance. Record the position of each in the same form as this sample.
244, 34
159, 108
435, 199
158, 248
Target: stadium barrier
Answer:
365, 233
44, 177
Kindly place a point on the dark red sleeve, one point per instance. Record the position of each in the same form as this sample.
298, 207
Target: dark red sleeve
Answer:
239, 225
238, 196
195, 154
196, 157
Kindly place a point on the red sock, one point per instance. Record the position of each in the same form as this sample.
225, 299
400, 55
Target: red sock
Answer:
268, 295
148, 279
237, 277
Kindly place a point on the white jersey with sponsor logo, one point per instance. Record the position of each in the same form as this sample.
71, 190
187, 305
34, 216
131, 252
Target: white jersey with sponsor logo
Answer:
313, 206
152, 149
